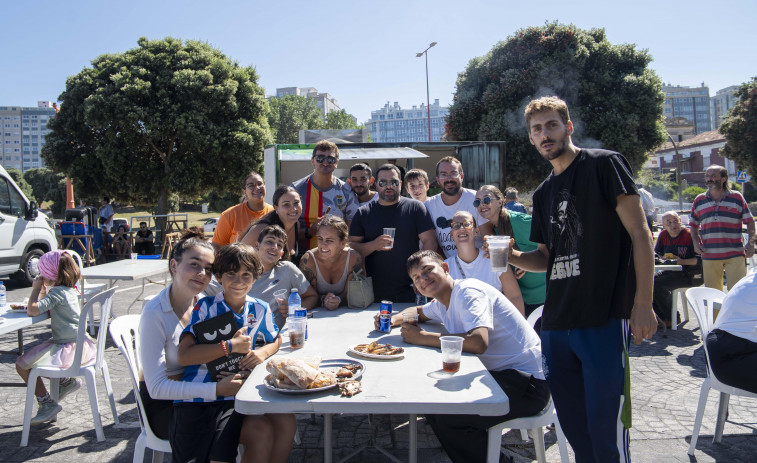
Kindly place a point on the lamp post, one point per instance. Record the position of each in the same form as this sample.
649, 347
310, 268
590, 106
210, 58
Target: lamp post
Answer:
428, 100
678, 173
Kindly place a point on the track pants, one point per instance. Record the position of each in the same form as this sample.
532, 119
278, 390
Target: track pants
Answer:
585, 371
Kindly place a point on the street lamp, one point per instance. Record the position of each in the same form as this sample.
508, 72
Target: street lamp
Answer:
428, 100
678, 173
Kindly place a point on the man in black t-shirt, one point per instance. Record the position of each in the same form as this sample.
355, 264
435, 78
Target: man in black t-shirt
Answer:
595, 246
386, 256
143, 240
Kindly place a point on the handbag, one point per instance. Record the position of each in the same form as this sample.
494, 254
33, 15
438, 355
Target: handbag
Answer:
359, 291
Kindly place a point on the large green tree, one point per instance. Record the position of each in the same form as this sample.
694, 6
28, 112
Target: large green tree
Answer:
290, 114
18, 177
615, 100
740, 129
168, 116
340, 120
48, 186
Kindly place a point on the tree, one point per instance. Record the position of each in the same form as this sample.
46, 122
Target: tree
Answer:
169, 116
740, 129
290, 114
23, 185
340, 120
48, 186
615, 101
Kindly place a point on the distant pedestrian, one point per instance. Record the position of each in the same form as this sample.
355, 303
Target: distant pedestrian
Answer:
106, 214
647, 203
511, 196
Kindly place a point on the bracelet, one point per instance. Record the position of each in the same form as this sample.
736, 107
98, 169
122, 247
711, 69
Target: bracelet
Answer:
224, 348
229, 348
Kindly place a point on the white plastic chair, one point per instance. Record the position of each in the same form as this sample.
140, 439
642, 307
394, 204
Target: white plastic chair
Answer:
702, 301
88, 371
679, 293
124, 331
533, 423
87, 289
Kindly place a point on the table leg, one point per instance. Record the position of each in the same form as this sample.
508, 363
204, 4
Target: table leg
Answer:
20, 342
412, 448
327, 438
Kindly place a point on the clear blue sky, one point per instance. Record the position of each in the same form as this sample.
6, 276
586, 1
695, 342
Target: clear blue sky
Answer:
363, 53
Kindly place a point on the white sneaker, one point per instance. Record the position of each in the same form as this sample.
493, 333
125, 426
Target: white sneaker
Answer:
48, 411
72, 386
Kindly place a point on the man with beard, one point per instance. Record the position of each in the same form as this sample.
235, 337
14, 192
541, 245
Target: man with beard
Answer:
361, 181
594, 285
321, 191
716, 218
453, 198
386, 256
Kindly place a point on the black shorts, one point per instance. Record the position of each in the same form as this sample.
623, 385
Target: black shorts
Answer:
201, 432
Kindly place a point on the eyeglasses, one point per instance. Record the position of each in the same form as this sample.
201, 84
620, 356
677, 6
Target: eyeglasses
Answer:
459, 225
384, 183
319, 158
450, 175
487, 200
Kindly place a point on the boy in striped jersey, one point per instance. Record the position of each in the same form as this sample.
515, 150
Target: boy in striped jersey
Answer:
236, 268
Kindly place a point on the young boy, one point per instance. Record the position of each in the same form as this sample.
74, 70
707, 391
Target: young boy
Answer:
200, 430
494, 330
416, 184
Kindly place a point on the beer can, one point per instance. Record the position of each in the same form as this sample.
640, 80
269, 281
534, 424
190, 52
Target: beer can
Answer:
385, 316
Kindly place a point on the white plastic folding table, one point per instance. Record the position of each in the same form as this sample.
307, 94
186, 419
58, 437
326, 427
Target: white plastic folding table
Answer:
16, 321
126, 270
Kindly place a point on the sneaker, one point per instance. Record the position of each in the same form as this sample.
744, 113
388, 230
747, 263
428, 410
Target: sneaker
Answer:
64, 390
48, 411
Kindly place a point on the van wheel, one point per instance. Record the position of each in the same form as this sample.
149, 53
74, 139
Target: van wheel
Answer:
29, 267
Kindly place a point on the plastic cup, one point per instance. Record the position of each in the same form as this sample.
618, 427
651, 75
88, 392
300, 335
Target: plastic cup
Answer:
411, 318
498, 252
134, 257
390, 232
452, 349
297, 332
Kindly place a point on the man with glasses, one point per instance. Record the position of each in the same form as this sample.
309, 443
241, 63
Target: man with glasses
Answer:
386, 255
453, 198
143, 240
235, 220
716, 218
361, 180
321, 191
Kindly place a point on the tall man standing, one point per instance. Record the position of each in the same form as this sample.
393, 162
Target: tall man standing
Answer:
386, 257
594, 243
322, 191
716, 218
453, 198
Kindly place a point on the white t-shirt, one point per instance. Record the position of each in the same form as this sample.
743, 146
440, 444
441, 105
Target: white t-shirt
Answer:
513, 344
480, 269
373, 198
440, 211
739, 313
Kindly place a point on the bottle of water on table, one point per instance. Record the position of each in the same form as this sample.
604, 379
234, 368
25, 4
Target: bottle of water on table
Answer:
3, 298
295, 307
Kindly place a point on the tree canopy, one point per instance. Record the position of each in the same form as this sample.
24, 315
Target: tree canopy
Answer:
18, 177
340, 120
615, 100
290, 114
168, 116
740, 129
48, 186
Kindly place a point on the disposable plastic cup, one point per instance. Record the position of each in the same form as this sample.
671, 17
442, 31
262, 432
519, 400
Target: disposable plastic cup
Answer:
498, 252
390, 232
134, 257
297, 332
452, 348
411, 318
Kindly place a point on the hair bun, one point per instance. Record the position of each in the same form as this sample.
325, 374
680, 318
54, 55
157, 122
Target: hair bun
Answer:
192, 232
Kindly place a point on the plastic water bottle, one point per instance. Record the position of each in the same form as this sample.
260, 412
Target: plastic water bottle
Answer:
295, 308
3, 299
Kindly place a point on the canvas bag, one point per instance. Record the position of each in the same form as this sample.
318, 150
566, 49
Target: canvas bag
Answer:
359, 291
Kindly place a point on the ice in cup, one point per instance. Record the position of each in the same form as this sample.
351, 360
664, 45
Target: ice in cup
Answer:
134, 257
410, 318
390, 232
297, 332
452, 349
498, 252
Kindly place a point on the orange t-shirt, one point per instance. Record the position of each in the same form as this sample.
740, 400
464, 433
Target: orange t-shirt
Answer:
235, 220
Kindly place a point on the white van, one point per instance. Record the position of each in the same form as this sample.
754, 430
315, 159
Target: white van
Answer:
24, 232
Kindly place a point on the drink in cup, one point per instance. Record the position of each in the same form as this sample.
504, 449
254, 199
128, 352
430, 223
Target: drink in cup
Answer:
410, 318
297, 332
452, 348
134, 257
385, 317
390, 232
498, 252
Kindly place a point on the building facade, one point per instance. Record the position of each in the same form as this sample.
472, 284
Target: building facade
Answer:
324, 101
23, 134
721, 103
697, 154
690, 103
394, 124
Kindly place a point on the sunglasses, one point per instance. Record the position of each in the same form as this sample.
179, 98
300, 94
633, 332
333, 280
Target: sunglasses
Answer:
330, 159
487, 200
459, 225
384, 183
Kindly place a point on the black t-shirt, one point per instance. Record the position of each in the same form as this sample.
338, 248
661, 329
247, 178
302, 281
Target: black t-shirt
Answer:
590, 275
145, 234
388, 269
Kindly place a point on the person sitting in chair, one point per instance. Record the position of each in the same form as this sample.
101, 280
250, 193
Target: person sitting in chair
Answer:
143, 240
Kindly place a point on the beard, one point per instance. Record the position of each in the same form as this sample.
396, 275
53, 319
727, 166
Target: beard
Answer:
388, 196
360, 190
451, 188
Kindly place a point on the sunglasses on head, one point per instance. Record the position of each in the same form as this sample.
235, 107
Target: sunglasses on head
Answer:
459, 225
384, 183
330, 159
477, 202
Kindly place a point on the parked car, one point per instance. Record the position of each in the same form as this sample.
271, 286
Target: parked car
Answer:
209, 226
120, 223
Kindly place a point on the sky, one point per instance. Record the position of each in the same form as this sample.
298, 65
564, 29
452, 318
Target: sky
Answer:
364, 53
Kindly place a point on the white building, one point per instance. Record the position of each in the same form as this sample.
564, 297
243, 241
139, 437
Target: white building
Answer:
394, 124
721, 103
324, 101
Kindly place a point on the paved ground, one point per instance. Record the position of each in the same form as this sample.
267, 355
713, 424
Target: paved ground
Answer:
666, 375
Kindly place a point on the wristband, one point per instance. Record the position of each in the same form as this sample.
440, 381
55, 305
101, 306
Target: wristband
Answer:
229, 348
223, 347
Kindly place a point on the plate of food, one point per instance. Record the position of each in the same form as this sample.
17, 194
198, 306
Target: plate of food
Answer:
309, 374
376, 350
17, 308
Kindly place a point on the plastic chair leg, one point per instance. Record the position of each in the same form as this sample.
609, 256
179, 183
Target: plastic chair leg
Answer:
30, 399
722, 412
538, 436
55, 389
139, 448
700, 413
562, 443
109, 391
157, 456
524, 435
494, 445
89, 376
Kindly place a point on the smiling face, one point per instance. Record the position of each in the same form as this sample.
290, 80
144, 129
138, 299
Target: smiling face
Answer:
431, 278
417, 189
549, 134
254, 189
193, 272
389, 186
450, 178
289, 208
463, 229
488, 211
237, 284
270, 250
329, 244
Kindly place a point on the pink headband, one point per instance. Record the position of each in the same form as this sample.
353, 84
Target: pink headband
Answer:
48, 264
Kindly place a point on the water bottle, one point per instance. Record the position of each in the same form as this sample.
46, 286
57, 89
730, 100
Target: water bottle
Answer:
295, 308
3, 300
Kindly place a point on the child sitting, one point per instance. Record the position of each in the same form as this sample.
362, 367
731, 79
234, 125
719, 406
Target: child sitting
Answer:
58, 270
236, 268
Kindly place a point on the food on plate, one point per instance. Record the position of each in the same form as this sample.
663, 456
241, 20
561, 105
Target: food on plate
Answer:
349, 388
18, 307
379, 349
298, 373
348, 371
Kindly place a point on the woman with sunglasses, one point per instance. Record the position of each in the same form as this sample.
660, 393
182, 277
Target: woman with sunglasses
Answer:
490, 203
287, 208
471, 263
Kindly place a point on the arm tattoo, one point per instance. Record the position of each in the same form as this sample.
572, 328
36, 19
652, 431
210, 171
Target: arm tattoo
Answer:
358, 263
309, 275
